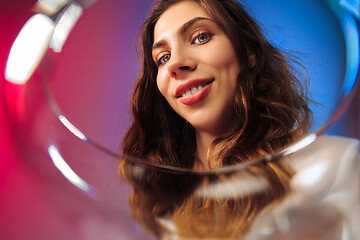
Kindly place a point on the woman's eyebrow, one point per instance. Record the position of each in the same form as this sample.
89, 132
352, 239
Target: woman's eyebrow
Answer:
182, 30
191, 22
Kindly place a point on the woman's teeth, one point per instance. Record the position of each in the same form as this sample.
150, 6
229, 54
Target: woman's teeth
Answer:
192, 91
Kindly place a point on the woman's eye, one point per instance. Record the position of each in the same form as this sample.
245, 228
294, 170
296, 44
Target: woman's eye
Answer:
202, 38
163, 59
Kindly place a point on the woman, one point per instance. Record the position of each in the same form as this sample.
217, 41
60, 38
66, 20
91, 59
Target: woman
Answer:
212, 92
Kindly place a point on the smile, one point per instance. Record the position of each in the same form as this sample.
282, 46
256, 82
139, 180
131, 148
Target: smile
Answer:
191, 87
193, 91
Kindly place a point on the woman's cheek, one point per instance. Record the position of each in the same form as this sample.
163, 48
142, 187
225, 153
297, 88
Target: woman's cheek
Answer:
162, 84
220, 53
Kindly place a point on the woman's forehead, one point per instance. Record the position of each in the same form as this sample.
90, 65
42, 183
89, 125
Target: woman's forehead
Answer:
175, 16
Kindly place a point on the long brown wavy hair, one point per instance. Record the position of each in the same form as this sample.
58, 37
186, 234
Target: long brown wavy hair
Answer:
270, 111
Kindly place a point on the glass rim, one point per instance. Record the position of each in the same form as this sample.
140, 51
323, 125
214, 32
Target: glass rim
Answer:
348, 20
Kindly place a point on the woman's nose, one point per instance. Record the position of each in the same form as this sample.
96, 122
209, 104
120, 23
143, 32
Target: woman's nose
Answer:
180, 64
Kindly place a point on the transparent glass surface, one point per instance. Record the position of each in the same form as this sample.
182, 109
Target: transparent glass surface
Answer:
70, 117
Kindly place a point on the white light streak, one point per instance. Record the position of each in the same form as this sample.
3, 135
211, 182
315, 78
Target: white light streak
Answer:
301, 144
64, 26
28, 48
236, 187
66, 170
72, 128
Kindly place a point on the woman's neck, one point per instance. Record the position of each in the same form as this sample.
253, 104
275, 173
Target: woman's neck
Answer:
206, 159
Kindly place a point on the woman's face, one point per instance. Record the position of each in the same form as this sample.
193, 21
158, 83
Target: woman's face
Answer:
197, 67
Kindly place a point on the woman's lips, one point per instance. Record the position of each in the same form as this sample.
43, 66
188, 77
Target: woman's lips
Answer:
201, 87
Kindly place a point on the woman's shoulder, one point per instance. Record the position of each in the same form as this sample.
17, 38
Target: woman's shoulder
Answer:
325, 190
330, 157
327, 148
336, 141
